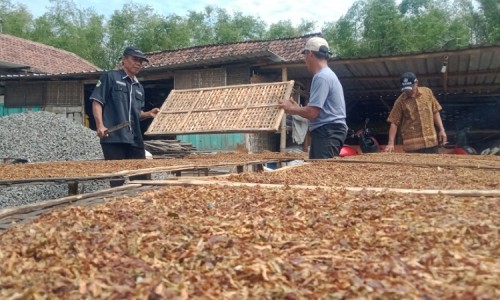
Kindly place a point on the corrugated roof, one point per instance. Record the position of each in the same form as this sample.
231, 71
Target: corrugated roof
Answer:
40, 58
469, 70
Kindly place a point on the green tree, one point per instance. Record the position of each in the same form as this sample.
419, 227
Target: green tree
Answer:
201, 26
344, 35
426, 24
15, 19
177, 33
489, 20
463, 26
414, 7
383, 31
285, 29
67, 27
237, 27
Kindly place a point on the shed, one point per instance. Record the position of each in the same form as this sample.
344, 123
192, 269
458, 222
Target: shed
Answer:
466, 81
24, 59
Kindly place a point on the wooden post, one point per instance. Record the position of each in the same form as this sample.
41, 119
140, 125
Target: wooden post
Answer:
72, 188
284, 77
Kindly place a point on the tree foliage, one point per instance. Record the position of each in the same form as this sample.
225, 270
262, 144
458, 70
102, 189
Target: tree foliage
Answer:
489, 20
369, 27
15, 19
373, 27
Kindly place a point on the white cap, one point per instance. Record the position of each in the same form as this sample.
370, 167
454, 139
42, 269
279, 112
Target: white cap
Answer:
315, 43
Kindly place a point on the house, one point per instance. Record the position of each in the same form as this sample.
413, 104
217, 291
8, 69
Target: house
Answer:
466, 81
25, 60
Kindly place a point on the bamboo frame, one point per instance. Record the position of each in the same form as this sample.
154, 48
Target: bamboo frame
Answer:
236, 108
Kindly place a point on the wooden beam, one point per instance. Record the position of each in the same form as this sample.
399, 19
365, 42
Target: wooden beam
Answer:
73, 188
284, 77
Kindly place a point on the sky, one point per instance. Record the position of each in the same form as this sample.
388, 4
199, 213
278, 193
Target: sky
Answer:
270, 11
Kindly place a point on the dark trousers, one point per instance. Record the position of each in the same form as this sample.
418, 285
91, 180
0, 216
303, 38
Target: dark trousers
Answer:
119, 151
431, 150
327, 140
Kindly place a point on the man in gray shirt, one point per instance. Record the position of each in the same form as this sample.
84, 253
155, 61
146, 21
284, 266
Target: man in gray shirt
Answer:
326, 108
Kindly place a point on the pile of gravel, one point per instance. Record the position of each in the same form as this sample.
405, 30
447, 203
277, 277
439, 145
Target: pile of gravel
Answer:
43, 136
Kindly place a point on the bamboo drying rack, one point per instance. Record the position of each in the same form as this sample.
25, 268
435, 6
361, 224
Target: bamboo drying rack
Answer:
236, 108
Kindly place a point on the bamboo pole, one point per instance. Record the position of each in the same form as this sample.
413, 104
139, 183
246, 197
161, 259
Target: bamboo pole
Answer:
284, 77
457, 193
45, 204
405, 163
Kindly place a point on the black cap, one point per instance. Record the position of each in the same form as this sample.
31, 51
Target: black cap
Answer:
133, 51
407, 80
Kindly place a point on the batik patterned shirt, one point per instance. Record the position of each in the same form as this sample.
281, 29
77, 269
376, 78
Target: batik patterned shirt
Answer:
415, 119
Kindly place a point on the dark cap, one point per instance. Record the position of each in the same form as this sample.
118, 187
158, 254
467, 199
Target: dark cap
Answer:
407, 80
133, 51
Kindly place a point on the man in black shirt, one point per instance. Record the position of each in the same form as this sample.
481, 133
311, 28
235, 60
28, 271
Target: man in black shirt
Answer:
117, 98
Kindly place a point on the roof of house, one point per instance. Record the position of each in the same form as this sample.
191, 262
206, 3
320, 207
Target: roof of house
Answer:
18, 53
279, 50
471, 70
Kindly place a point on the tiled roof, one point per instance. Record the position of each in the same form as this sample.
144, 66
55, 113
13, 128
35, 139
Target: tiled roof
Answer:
41, 58
290, 50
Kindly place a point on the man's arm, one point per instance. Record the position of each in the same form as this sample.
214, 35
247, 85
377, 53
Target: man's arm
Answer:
292, 108
392, 136
149, 114
443, 139
97, 111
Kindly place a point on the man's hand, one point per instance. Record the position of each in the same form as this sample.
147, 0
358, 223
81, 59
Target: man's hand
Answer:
443, 139
149, 114
288, 105
389, 148
101, 131
153, 112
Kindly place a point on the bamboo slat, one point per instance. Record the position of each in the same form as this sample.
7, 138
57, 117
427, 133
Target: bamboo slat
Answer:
49, 203
457, 193
405, 163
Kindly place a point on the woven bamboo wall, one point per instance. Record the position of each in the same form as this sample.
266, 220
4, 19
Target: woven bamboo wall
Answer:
237, 75
27, 94
190, 79
64, 93
237, 108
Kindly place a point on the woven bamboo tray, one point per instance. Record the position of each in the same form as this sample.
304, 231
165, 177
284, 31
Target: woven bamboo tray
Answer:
237, 108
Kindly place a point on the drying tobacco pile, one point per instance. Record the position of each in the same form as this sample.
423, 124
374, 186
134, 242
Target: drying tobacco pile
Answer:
256, 243
90, 168
431, 159
376, 175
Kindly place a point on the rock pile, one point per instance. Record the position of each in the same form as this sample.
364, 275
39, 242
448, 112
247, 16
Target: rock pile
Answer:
43, 137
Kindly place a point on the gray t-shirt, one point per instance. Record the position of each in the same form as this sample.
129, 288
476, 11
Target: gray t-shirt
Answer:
328, 95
